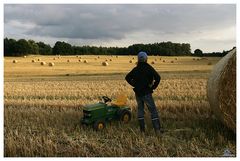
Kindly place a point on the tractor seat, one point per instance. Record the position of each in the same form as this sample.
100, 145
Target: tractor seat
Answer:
120, 101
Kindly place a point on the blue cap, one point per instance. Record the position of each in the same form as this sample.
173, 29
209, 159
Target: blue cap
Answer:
142, 56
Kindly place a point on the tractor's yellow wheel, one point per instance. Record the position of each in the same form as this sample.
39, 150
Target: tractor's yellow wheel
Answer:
125, 118
100, 126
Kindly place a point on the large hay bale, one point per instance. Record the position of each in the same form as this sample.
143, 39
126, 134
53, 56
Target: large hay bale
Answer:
221, 90
43, 63
15, 61
80, 60
51, 64
68, 60
39, 59
33, 61
152, 62
130, 61
85, 61
105, 63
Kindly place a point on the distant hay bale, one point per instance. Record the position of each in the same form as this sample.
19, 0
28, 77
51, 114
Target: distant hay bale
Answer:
172, 61
54, 58
160, 58
110, 59
51, 64
164, 61
193, 59
80, 60
59, 57
209, 63
133, 58
15, 61
33, 61
130, 61
105, 63
43, 63
198, 59
24, 56
176, 59
221, 90
106, 60
85, 61
98, 57
68, 60
152, 62
95, 58
116, 56
155, 59
39, 59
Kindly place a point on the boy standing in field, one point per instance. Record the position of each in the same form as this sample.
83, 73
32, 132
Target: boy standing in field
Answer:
145, 79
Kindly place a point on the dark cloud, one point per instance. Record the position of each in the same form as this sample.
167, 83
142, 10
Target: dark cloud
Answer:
117, 21
211, 27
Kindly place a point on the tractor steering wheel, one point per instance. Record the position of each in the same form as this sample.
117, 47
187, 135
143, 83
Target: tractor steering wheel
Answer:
106, 99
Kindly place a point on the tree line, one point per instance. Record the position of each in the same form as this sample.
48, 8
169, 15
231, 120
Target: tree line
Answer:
22, 47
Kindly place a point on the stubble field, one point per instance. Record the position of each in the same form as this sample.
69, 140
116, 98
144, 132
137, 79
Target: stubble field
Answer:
43, 107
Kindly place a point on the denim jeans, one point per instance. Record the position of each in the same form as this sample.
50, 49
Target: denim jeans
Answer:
148, 100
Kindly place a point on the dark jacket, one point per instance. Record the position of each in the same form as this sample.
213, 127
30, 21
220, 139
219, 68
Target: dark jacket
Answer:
143, 78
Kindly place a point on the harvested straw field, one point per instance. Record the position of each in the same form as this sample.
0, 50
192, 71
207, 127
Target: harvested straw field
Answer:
43, 107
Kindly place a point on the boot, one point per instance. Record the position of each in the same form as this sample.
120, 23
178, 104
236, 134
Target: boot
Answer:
157, 126
142, 125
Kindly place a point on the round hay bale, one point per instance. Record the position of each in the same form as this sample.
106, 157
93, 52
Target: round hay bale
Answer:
152, 62
160, 58
172, 61
193, 59
95, 58
130, 61
110, 59
98, 57
221, 90
164, 61
80, 60
209, 63
24, 56
68, 60
43, 63
106, 60
54, 58
105, 63
85, 61
15, 61
33, 61
39, 59
175, 58
51, 64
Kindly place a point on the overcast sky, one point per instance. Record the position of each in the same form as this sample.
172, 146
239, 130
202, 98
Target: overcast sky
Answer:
208, 27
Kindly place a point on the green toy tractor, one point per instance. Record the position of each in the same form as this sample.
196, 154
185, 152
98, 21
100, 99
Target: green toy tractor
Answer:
98, 114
